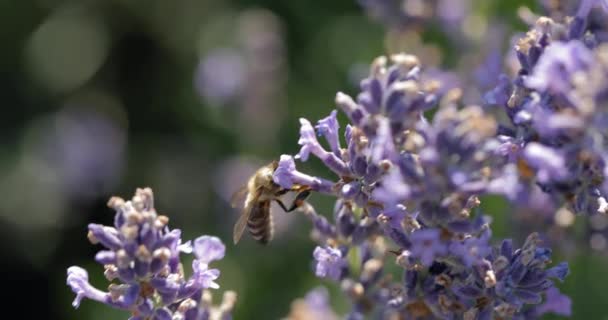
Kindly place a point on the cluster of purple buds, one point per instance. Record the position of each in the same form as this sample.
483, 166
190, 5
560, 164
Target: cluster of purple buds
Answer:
557, 109
142, 260
408, 188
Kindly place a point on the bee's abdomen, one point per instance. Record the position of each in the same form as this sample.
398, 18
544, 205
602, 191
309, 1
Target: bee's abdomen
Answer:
260, 223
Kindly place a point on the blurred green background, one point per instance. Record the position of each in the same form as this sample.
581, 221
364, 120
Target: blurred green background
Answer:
189, 97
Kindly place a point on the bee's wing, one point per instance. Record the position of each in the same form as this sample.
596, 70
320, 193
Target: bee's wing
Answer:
241, 223
239, 226
238, 197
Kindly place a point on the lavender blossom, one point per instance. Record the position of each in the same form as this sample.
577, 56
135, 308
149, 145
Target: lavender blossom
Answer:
329, 262
142, 259
556, 107
426, 245
410, 186
559, 61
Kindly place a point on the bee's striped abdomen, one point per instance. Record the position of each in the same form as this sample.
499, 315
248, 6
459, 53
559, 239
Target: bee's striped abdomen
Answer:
260, 224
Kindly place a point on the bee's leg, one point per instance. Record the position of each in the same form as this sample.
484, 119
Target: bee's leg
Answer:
281, 204
299, 200
282, 192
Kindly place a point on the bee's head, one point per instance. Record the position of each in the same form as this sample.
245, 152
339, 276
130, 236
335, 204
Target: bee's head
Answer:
265, 177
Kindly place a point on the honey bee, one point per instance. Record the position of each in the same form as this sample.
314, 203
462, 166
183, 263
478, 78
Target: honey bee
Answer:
258, 194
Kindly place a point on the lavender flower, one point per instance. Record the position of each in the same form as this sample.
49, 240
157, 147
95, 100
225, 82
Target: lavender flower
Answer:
511, 279
286, 176
416, 182
142, 259
556, 106
426, 245
559, 61
329, 262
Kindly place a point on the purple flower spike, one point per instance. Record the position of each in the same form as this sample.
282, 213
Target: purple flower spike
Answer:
329, 262
144, 253
556, 107
440, 169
